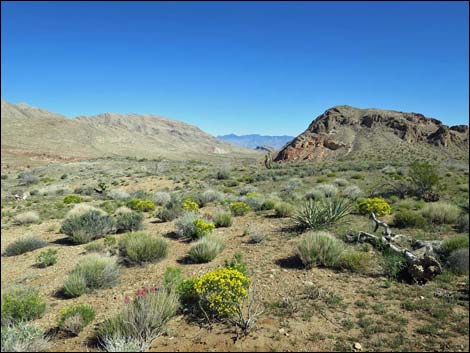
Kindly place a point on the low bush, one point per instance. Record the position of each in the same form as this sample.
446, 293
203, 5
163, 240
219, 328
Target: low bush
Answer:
190, 206
92, 272
117, 194
161, 198
222, 220
441, 212
283, 209
458, 261
26, 218
69, 199
239, 208
268, 205
352, 192
408, 219
328, 190
21, 303
379, 206
190, 226
454, 243
24, 245
393, 264
84, 224
141, 320
208, 196
355, 261
47, 258
140, 248
141, 205
206, 249
76, 318
128, 220
23, 337
319, 249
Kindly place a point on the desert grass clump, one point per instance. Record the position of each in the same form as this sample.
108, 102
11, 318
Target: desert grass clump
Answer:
454, 243
355, 261
319, 214
140, 248
161, 198
117, 194
352, 192
408, 219
23, 337
319, 249
239, 208
441, 212
128, 220
76, 318
283, 209
141, 321
47, 258
24, 245
21, 303
92, 272
458, 261
26, 218
222, 220
208, 196
86, 223
206, 249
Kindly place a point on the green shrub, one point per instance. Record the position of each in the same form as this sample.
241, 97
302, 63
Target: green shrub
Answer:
206, 249
222, 219
23, 245
172, 278
319, 214
239, 208
92, 272
283, 209
141, 205
356, 261
223, 174
127, 220
454, 243
441, 212
268, 205
424, 177
392, 263
83, 226
76, 318
140, 248
190, 226
220, 291
458, 261
379, 206
26, 218
462, 223
69, 199
408, 219
47, 258
237, 263
319, 249
21, 303
171, 211
208, 196
141, 320
23, 337
190, 206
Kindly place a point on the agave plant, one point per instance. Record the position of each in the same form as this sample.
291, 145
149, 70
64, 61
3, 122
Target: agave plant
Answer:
318, 214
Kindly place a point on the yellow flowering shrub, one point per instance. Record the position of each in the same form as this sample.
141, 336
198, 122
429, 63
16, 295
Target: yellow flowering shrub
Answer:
239, 208
202, 228
377, 205
190, 206
221, 290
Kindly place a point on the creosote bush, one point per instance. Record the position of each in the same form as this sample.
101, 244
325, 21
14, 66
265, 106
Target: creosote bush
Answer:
140, 248
92, 272
86, 223
320, 249
76, 318
21, 303
24, 245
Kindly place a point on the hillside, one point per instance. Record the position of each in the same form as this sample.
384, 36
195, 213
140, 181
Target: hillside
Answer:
36, 134
375, 134
254, 140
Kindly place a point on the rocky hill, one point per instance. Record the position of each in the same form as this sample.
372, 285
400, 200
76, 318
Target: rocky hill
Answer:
254, 140
36, 134
354, 133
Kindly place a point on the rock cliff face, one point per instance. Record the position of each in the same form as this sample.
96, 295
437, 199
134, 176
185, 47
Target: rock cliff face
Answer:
347, 131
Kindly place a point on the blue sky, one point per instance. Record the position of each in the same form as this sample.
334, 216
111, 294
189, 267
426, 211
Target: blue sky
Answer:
242, 67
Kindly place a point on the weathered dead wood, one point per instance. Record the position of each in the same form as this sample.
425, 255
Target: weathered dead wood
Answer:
422, 264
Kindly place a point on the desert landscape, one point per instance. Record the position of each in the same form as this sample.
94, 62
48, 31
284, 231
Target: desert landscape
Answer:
234, 176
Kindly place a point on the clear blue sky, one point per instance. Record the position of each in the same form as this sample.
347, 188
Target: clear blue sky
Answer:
242, 67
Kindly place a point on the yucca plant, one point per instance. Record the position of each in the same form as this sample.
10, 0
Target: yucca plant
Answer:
318, 214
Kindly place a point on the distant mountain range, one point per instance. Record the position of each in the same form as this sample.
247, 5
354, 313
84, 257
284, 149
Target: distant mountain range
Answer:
255, 140
35, 134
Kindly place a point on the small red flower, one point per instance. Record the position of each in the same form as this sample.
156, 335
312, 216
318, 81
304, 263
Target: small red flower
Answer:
126, 300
